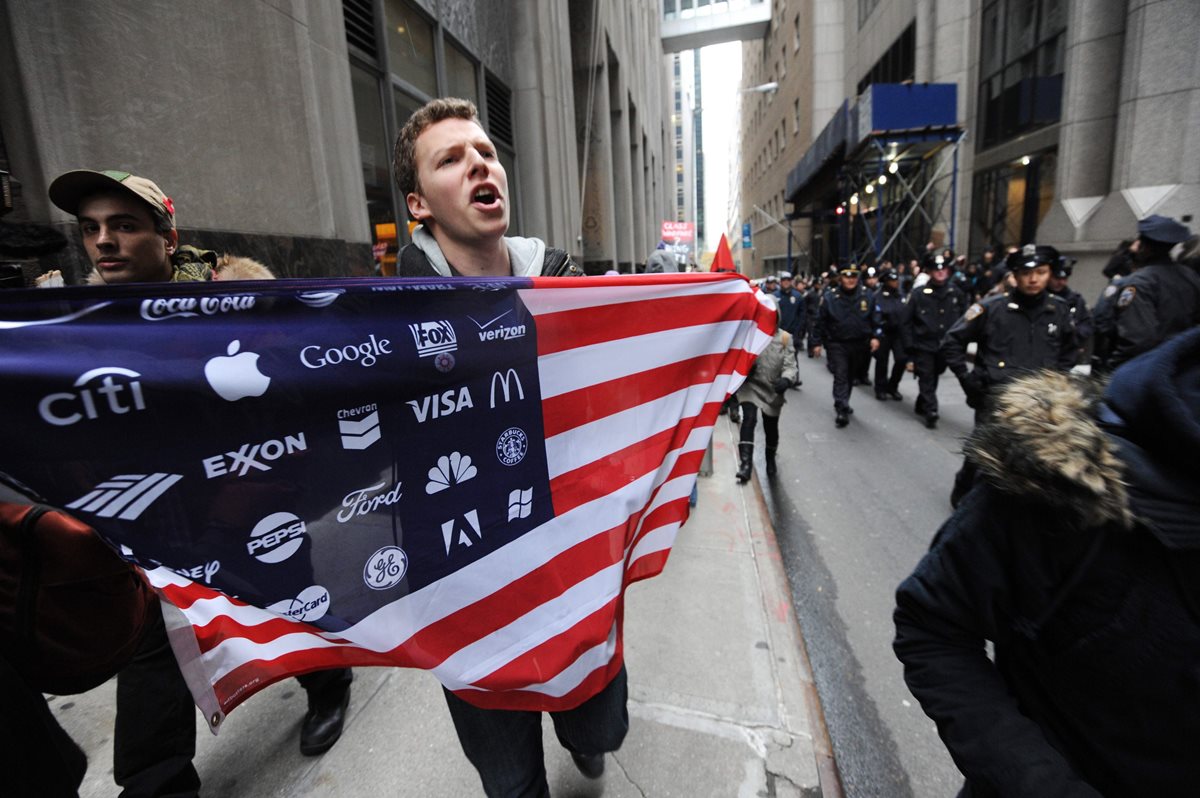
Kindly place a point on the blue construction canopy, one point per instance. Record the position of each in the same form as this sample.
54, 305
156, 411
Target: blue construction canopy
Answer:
912, 114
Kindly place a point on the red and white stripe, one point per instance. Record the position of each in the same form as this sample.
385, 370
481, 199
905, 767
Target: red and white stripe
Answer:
633, 371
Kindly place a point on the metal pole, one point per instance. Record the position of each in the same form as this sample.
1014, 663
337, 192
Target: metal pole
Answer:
954, 195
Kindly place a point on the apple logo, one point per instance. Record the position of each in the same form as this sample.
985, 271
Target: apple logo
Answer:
236, 376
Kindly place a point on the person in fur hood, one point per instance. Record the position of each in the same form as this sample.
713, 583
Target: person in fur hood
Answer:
1078, 557
764, 388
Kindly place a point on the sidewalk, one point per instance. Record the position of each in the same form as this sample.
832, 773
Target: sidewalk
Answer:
721, 697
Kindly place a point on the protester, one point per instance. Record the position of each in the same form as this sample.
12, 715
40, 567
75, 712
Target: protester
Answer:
773, 373
456, 188
1078, 560
128, 228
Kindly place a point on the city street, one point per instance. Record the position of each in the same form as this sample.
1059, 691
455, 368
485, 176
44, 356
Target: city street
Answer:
854, 510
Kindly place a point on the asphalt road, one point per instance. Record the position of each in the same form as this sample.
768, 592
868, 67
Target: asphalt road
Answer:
854, 510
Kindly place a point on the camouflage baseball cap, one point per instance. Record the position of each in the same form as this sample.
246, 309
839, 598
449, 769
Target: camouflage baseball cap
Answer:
70, 188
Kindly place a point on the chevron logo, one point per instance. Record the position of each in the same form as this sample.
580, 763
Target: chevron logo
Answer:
360, 434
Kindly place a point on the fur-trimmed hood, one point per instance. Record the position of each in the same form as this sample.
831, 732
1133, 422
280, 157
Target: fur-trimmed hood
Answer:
1043, 440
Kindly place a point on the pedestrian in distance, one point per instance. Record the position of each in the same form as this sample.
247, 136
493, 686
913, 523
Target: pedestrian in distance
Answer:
456, 188
763, 390
888, 318
129, 234
1077, 558
1024, 330
1159, 300
793, 313
844, 329
931, 311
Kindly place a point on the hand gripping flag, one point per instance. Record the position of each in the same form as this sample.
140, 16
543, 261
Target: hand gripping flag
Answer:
456, 475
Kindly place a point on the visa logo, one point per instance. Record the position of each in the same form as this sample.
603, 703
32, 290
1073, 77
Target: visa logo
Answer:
441, 404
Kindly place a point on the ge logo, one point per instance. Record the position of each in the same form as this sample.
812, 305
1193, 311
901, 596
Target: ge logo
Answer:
385, 568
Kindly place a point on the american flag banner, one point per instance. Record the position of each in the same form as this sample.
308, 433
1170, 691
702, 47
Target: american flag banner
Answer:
456, 475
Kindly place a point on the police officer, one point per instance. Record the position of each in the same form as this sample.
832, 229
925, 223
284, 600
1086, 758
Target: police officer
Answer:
870, 280
1161, 298
844, 328
1025, 329
1059, 275
888, 318
793, 315
932, 309
812, 304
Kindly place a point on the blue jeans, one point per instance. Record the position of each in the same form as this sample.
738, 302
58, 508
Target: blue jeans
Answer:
505, 746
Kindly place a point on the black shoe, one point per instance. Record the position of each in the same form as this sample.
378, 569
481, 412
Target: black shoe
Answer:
590, 765
842, 419
849, 410
880, 395
931, 420
797, 385
745, 462
772, 469
323, 723
895, 395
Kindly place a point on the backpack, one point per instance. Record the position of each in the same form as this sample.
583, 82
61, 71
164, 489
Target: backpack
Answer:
72, 612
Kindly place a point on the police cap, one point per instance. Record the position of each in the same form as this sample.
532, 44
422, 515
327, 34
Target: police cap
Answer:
1163, 229
889, 274
1031, 256
785, 275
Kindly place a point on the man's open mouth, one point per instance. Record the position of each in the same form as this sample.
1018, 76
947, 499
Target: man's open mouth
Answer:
484, 196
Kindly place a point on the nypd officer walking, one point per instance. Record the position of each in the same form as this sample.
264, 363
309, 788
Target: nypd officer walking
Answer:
932, 310
1025, 329
844, 328
1161, 298
888, 316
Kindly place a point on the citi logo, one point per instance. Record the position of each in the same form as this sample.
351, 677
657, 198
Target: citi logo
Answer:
361, 502
310, 605
248, 454
360, 434
441, 404
126, 496
462, 532
104, 390
506, 381
276, 537
498, 333
187, 306
434, 337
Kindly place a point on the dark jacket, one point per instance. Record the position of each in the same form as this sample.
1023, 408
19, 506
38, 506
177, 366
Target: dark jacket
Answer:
1015, 334
1079, 559
1157, 301
792, 311
887, 314
932, 311
843, 318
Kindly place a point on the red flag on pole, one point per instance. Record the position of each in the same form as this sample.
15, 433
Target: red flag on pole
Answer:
723, 260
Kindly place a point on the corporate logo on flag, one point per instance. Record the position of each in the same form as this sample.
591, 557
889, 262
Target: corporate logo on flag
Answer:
184, 307
434, 337
310, 605
520, 503
365, 354
512, 445
359, 433
441, 404
463, 531
505, 381
108, 391
196, 573
320, 299
235, 375
276, 537
125, 496
368, 500
452, 469
490, 331
385, 568
248, 454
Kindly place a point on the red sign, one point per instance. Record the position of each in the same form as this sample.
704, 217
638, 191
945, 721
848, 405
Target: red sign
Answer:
678, 231
379, 249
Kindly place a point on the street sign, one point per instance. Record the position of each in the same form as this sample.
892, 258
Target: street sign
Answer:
746, 235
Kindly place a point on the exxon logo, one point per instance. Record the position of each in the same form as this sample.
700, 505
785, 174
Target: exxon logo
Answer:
253, 455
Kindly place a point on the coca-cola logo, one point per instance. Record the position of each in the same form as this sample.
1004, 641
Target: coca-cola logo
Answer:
183, 307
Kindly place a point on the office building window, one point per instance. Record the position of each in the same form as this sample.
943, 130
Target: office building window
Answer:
462, 74
410, 46
1021, 67
896, 65
1012, 200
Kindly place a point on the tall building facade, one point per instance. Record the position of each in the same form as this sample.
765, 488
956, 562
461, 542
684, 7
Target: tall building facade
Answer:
271, 124
1076, 117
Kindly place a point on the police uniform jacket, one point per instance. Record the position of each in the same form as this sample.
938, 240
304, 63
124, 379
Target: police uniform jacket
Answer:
791, 310
1014, 334
1157, 301
1076, 555
1081, 316
888, 313
844, 318
932, 310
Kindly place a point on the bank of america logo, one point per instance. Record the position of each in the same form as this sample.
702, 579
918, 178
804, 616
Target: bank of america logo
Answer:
360, 434
126, 496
